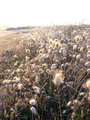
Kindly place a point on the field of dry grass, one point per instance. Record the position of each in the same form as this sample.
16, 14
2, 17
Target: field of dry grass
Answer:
45, 74
8, 41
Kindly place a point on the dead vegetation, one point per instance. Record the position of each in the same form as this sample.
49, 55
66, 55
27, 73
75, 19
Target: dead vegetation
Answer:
46, 74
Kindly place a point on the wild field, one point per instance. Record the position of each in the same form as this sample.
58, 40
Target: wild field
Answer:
45, 74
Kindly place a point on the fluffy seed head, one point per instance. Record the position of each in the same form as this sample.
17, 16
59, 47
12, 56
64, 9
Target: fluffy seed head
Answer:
6, 82
27, 58
74, 47
19, 86
27, 51
69, 103
16, 63
81, 49
32, 102
36, 89
87, 64
12, 110
88, 71
76, 102
33, 110
16, 79
88, 84
58, 78
88, 56
77, 38
15, 56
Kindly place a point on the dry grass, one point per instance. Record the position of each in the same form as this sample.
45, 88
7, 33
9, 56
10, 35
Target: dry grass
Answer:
9, 41
28, 70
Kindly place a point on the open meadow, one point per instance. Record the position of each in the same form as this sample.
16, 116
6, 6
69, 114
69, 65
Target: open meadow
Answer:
45, 74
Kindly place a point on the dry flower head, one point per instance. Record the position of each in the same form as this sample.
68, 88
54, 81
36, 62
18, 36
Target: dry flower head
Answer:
58, 78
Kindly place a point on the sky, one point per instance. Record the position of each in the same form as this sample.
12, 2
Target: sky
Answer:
15, 13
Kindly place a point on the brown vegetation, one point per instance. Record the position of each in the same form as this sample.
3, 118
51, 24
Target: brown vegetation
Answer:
45, 74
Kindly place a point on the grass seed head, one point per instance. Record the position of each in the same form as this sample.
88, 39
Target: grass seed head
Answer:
33, 110
32, 102
19, 86
58, 78
27, 51
88, 84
